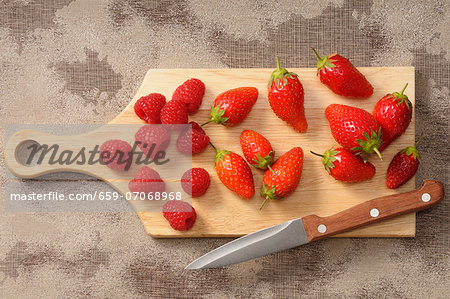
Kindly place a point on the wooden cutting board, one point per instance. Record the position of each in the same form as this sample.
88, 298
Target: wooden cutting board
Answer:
221, 213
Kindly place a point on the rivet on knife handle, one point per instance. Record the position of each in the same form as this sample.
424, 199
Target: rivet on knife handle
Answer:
374, 210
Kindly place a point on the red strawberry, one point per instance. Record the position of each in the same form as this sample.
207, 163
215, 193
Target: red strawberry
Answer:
257, 149
195, 181
180, 214
344, 166
152, 139
286, 98
192, 140
191, 93
339, 74
232, 106
355, 129
403, 166
174, 113
149, 107
284, 176
393, 112
235, 173
146, 181
116, 154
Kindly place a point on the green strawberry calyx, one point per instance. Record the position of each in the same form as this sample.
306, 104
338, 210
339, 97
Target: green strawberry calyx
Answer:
268, 193
328, 158
369, 145
263, 162
323, 61
402, 98
412, 150
280, 74
217, 116
220, 155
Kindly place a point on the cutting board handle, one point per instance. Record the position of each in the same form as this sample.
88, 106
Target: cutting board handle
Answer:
19, 146
378, 209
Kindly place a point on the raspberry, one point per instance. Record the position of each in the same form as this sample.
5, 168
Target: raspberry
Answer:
195, 181
192, 140
191, 93
148, 108
174, 112
116, 154
147, 181
180, 214
150, 135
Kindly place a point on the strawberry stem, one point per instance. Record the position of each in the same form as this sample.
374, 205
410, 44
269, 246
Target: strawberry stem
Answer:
317, 54
401, 92
316, 154
323, 61
412, 150
213, 146
207, 122
270, 168
263, 203
279, 74
378, 153
402, 98
420, 138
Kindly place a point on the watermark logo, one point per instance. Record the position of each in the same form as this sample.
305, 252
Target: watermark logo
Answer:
141, 165
52, 154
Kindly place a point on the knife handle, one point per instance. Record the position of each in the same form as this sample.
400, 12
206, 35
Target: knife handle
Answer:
374, 210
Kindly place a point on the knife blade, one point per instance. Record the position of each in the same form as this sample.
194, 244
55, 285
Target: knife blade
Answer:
300, 231
272, 239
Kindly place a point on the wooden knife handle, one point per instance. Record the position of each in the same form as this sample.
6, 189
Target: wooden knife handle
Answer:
374, 210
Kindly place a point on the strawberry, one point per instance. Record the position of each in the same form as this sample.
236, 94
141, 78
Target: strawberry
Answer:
339, 74
146, 181
180, 215
192, 140
355, 129
116, 154
286, 98
195, 181
344, 166
152, 139
148, 108
232, 106
191, 93
257, 149
174, 113
235, 173
284, 176
403, 166
393, 112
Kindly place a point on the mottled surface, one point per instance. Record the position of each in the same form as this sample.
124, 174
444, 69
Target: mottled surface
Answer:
81, 62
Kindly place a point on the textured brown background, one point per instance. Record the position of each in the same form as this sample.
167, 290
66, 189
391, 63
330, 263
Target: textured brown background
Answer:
81, 61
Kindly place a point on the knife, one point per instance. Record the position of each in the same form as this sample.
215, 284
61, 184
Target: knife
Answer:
301, 231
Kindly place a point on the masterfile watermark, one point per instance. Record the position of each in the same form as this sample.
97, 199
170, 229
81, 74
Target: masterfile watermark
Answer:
95, 156
97, 195
135, 167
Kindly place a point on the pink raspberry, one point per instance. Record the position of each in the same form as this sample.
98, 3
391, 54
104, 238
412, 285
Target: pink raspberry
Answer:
147, 181
191, 93
180, 214
174, 113
192, 140
148, 108
116, 154
152, 139
195, 181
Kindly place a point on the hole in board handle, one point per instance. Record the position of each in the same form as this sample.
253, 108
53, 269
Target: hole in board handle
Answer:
23, 151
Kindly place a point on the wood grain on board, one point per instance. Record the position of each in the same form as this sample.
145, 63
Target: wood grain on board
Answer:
221, 213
